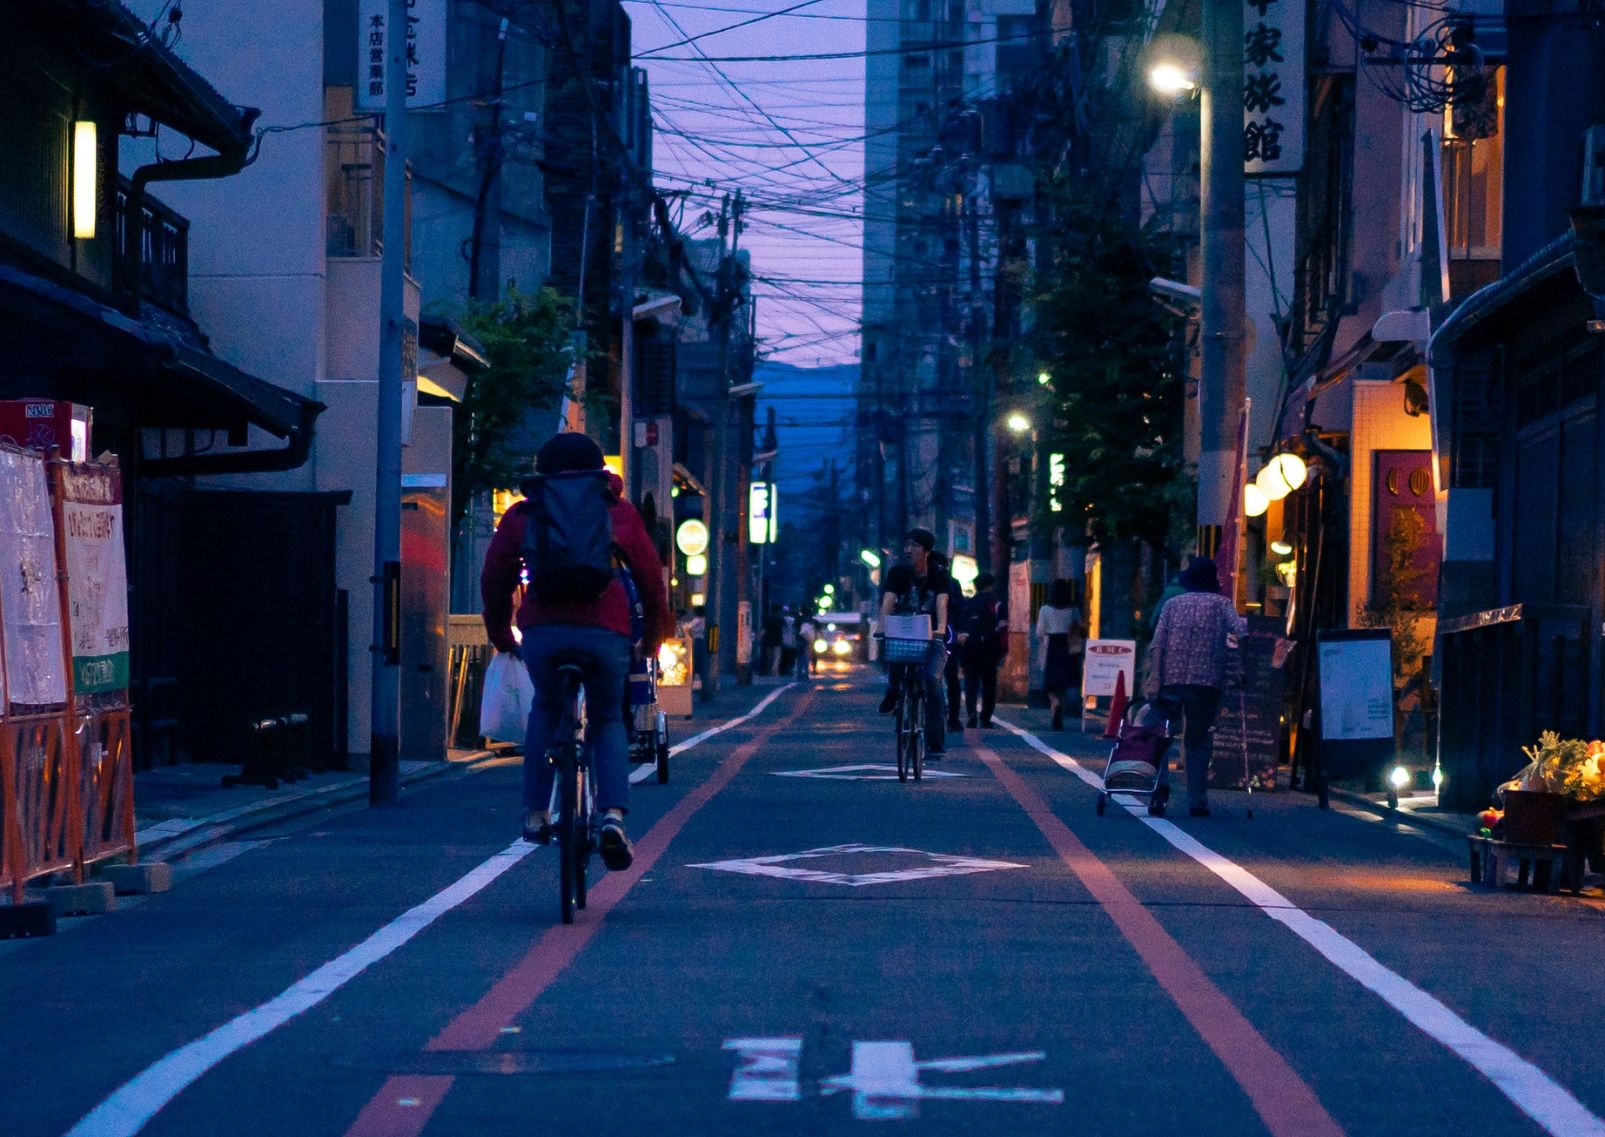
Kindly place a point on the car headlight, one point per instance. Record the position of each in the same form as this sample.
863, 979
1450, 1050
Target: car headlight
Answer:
821, 647
841, 647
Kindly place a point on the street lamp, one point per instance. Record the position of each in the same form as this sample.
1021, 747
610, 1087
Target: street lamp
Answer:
870, 557
1171, 79
1017, 422
1043, 378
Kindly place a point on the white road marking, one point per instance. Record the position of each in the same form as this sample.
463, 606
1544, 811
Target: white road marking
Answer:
885, 1081
647, 769
938, 865
1527, 1087
132, 1105
861, 773
766, 1069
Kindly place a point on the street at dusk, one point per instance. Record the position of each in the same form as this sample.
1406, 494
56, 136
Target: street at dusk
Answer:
806, 945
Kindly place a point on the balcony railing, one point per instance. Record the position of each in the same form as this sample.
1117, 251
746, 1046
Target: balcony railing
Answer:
355, 177
156, 251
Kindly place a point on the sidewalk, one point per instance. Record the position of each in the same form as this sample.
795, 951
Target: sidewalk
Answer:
178, 809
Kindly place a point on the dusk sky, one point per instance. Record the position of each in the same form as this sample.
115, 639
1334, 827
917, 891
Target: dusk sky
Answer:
787, 133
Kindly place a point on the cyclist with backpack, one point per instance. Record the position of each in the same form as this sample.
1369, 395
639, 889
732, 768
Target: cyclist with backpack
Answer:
572, 535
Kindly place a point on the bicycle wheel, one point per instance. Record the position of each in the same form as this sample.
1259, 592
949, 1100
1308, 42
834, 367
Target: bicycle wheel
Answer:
917, 735
569, 834
905, 734
582, 851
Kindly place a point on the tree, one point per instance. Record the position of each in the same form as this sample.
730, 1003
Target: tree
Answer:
1118, 394
526, 339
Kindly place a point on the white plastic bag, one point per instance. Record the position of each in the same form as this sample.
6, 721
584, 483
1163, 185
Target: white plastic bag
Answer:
504, 705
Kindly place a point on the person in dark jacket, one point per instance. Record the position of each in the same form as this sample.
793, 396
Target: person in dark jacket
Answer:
597, 631
950, 673
983, 642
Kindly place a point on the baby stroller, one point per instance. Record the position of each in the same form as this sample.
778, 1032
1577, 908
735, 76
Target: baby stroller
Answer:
1137, 760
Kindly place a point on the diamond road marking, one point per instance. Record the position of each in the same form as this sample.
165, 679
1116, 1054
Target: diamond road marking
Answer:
867, 773
940, 864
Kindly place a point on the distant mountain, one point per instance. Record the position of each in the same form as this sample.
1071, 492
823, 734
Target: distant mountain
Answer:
814, 408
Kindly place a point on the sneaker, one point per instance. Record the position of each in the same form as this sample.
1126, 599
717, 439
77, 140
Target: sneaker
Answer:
536, 831
1198, 811
613, 846
888, 702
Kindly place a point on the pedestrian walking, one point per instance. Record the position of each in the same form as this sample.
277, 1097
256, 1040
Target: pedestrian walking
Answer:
788, 641
697, 629
805, 646
1186, 669
1062, 634
983, 643
773, 629
950, 673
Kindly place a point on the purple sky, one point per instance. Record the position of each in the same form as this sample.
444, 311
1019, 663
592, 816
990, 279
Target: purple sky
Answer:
785, 133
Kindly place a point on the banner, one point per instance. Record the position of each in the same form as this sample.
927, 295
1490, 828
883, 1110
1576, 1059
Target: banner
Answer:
426, 54
97, 577
1273, 86
1103, 662
30, 605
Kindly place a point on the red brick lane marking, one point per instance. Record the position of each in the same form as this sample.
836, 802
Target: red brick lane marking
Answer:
1284, 1102
479, 1027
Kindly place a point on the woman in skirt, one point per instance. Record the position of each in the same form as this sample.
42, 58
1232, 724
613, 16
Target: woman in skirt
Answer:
1062, 634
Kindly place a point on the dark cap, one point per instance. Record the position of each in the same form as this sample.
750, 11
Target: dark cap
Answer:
924, 538
1200, 576
567, 452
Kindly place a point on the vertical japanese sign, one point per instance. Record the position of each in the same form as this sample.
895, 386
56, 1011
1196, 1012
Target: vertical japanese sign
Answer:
426, 53
761, 517
1273, 86
29, 598
97, 578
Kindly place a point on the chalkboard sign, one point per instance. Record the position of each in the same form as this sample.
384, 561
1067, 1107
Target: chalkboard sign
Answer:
1251, 709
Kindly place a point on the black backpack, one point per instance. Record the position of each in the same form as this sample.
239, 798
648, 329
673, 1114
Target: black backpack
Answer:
568, 535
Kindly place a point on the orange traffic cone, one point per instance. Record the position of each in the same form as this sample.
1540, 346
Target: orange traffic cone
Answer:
1117, 706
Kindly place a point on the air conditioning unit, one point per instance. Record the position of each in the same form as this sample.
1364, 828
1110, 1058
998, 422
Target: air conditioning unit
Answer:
1594, 166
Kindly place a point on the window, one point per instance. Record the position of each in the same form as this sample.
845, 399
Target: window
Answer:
1474, 173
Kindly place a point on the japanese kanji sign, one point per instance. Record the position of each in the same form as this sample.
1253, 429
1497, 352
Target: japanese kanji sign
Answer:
1273, 86
97, 579
426, 53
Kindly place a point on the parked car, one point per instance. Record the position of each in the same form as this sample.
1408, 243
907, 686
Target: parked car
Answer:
839, 635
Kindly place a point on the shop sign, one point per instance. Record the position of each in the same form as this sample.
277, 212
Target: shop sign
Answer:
1273, 86
426, 54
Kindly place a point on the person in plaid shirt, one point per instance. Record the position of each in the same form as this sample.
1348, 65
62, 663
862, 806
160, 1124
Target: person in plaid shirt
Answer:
1187, 669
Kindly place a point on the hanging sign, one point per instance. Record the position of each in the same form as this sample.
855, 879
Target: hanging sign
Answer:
1273, 86
426, 53
30, 604
1105, 661
761, 518
97, 577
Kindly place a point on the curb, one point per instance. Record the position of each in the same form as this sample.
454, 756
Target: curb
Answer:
1452, 826
165, 840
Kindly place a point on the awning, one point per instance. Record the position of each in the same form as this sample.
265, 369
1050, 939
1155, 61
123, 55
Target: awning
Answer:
61, 343
446, 354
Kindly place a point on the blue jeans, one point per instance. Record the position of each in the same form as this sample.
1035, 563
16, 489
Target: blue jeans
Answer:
1197, 706
605, 659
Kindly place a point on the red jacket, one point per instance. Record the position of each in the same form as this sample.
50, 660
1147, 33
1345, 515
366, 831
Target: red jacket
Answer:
504, 562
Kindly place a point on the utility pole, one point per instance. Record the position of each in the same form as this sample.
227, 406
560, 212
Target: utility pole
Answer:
743, 457
485, 252
717, 490
384, 770
981, 408
1220, 388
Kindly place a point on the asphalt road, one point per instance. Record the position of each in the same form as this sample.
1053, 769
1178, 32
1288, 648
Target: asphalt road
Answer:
806, 946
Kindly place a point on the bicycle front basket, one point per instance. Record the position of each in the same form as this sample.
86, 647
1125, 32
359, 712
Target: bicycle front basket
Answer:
907, 651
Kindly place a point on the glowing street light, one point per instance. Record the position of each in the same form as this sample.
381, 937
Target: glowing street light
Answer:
1044, 378
1017, 422
870, 558
1170, 79
1255, 502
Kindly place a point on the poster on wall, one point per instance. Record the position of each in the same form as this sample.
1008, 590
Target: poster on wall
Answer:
30, 605
97, 577
1248, 729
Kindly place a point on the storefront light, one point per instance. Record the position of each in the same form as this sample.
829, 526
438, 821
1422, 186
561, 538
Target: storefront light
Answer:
1400, 777
85, 180
1281, 548
1283, 474
1255, 503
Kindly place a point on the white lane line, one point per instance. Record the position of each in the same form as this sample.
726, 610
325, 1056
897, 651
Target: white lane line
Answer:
132, 1105
1529, 1089
647, 769
766, 1069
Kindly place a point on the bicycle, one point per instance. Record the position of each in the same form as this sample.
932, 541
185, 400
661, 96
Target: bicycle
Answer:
573, 802
909, 658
